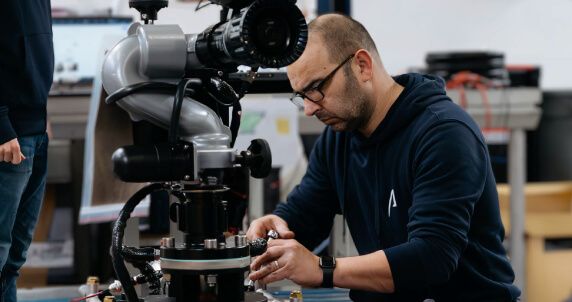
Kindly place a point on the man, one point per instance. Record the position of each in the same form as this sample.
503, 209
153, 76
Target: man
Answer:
26, 71
407, 168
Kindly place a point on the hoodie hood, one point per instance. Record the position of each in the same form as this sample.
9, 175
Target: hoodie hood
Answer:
420, 91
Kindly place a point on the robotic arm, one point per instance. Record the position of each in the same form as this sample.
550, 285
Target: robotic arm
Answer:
142, 71
177, 82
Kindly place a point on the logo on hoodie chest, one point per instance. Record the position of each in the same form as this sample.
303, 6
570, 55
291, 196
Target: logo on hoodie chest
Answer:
392, 203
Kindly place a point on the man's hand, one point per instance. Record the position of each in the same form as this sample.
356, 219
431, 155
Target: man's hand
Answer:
260, 227
10, 152
287, 259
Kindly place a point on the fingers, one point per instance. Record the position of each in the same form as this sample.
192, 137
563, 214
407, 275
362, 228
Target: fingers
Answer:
277, 275
260, 227
7, 156
256, 230
15, 148
284, 232
17, 155
271, 271
10, 152
269, 255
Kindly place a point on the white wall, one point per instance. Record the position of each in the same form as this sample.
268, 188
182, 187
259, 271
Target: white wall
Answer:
527, 31
182, 13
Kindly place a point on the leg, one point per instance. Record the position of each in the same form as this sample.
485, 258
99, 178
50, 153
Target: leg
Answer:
26, 216
13, 181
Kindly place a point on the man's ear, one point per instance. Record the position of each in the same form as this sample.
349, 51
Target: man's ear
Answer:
364, 62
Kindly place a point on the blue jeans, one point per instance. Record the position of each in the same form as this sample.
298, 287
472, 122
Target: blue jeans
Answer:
21, 193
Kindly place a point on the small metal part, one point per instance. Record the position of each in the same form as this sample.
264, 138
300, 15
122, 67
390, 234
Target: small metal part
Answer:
222, 245
176, 186
168, 242
211, 244
167, 277
296, 296
272, 234
211, 280
240, 241
211, 180
92, 284
250, 286
166, 288
115, 288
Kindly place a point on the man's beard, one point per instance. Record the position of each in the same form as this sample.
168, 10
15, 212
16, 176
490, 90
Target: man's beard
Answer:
357, 108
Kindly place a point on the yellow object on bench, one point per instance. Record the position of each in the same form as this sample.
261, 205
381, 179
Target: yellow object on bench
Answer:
548, 217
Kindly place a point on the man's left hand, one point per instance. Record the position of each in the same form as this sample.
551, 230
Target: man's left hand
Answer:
287, 259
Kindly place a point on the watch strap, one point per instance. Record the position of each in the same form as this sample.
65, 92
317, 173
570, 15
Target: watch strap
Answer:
328, 277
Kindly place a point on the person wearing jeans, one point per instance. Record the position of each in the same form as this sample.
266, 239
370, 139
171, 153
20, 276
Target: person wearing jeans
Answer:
26, 75
21, 194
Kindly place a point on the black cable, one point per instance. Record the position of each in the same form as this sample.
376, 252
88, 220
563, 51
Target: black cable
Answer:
219, 101
224, 14
198, 7
237, 108
137, 87
178, 104
141, 254
235, 123
117, 239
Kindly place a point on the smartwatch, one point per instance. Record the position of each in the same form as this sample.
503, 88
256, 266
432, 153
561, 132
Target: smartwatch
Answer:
327, 264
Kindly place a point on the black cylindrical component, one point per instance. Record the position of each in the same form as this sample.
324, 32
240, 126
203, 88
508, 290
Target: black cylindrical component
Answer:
153, 163
230, 285
268, 33
204, 215
258, 246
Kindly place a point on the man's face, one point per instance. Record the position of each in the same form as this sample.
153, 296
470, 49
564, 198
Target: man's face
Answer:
344, 106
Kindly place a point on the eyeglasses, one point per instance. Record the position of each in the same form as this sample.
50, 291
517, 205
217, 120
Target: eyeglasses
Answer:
315, 93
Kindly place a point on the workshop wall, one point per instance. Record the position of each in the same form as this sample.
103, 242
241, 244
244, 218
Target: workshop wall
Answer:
181, 13
527, 31
178, 12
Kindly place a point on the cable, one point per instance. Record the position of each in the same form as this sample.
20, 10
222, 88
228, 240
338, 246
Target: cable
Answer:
177, 105
464, 79
237, 108
137, 87
117, 239
198, 7
86, 297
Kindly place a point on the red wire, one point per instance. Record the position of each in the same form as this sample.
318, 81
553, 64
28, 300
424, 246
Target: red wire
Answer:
466, 78
86, 297
488, 112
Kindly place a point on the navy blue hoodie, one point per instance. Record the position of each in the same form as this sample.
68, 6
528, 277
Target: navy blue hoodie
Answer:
421, 188
26, 67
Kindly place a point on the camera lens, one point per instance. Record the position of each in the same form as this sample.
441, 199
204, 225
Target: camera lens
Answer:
268, 33
272, 35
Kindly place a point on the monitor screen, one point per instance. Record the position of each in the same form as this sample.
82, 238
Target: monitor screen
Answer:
77, 41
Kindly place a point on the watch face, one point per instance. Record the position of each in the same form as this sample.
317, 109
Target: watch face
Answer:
327, 261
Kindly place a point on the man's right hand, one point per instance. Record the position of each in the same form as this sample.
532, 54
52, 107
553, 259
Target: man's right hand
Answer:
260, 227
10, 152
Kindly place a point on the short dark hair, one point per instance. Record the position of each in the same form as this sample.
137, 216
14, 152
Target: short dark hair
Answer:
342, 36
